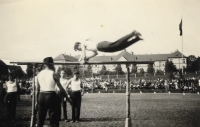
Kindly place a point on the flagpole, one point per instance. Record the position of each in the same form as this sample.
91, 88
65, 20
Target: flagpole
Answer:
182, 41
181, 34
182, 54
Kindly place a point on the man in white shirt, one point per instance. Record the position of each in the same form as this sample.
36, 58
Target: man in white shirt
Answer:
76, 93
11, 96
46, 97
62, 99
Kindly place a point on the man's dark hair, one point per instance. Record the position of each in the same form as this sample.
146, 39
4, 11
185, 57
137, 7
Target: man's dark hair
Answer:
48, 61
12, 74
76, 45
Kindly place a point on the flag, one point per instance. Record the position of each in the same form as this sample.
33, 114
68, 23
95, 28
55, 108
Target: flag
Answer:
180, 28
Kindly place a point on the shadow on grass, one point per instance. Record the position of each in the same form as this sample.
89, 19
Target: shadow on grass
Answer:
4, 119
101, 119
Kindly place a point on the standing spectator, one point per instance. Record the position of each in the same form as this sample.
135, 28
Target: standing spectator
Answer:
61, 97
170, 85
181, 83
194, 84
176, 85
46, 97
11, 96
158, 83
77, 88
166, 84
106, 86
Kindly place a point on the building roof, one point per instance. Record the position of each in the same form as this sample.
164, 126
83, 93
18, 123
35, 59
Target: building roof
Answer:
2, 63
159, 57
101, 58
177, 54
125, 54
151, 57
15, 68
64, 57
59, 57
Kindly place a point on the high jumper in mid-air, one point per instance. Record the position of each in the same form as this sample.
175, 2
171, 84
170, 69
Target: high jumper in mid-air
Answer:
106, 46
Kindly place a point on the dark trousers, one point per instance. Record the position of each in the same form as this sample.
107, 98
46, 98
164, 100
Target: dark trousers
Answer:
11, 102
2, 95
76, 98
62, 110
47, 102
118, 45
18, 97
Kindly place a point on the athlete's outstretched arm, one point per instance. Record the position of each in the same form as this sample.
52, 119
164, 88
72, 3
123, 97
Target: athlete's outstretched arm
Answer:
83, 55
93, 55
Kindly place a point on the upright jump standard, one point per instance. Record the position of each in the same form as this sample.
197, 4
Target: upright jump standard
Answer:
128, 115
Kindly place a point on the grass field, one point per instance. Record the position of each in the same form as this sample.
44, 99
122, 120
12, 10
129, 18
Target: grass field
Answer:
109, 110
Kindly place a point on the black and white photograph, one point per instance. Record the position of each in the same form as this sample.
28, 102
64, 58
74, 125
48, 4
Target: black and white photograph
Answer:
99, 63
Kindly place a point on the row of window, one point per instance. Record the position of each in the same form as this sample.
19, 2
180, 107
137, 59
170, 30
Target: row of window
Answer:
99, 65
183, 60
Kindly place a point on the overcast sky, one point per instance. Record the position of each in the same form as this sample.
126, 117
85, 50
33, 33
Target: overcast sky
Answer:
33, 29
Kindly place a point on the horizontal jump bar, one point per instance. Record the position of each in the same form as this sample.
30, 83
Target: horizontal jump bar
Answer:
90, 62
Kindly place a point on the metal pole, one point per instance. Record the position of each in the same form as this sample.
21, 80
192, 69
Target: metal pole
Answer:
182, 54
82, 72
128, 117
182, 42
93, 62
33, 100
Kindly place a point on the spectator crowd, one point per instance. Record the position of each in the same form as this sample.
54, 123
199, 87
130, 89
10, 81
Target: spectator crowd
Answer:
179, 85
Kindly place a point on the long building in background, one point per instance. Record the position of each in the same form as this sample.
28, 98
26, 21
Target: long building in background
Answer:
159, 60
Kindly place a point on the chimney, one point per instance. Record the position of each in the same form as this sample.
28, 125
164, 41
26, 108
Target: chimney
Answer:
132, 53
